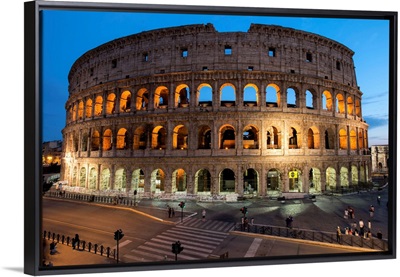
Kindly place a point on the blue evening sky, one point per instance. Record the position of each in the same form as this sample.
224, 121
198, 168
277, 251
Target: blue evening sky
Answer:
66, 35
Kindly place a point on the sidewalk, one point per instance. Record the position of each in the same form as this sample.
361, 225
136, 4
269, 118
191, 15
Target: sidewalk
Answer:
69, 257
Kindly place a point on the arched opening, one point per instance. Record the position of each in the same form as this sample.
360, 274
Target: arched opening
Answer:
250, 95
313, 140
110, 104
98, 106
344, 177
360, 140
120, 179
204, 95
179, 180
161, 97
353, 140
158, 138
273, 138
122, 139
89, 108
327, 102
228, 95
84, 142
291, 98
203, 181
140, 138
180, 137
142, 99
227, 181
74, 176
274, 183
105, 179
95, 145
293, 138
182, 94
295, 183
204, 137
329, 139
358, 108
354, 175
250, 181
314, 179
273, 97
80, 110
82, 177
342, 139
137, 182
227, 137
250, 137
157, 181
350, 105
125, 102
107, 140
339, 103
310, 99
330, 179
92, 178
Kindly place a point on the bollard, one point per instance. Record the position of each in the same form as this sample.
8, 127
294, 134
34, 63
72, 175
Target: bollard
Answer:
89, 247
83, 245
54, 235
58, 238
44, 234
101, 250
62, 239
95, 249
68, 239
108, 252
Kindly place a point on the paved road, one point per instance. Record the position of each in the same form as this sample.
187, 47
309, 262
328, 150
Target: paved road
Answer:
211, 237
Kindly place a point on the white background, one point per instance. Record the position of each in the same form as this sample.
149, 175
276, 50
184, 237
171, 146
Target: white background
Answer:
12, 142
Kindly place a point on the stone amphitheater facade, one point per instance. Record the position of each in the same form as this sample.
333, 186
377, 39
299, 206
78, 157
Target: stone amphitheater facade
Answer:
189, 111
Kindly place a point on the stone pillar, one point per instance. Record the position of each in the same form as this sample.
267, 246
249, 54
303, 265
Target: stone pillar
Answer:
128, 180
239, 180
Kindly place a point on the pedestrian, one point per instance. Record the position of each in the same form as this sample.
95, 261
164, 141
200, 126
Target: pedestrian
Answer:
346, 213
173, 212
361, 225
169, 211
371, 211
338, 235
75, 242
246, 224
53, 249
203, 214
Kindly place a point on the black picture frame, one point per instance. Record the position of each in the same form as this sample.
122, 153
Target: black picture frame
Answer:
33, 131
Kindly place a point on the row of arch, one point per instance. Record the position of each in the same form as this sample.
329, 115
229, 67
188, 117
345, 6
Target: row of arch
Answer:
143, 99
227, 180
226, 136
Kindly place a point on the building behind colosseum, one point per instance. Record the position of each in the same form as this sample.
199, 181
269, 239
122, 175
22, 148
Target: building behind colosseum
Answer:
192, 112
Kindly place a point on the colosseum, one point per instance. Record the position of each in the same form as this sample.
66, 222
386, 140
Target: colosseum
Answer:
190, 112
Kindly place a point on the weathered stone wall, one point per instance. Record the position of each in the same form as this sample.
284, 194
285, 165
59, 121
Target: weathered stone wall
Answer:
136, 119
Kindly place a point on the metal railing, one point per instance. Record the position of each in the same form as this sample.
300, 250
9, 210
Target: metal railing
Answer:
82, 245
312, 235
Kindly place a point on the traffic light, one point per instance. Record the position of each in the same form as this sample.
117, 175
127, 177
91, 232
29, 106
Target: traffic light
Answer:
181, 205
118, 235
176, 247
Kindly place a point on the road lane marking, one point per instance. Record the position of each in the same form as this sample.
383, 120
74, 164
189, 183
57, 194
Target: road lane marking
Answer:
253, 248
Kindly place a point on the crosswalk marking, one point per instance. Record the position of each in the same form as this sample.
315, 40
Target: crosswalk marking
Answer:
215, 225
122, 244
198, 243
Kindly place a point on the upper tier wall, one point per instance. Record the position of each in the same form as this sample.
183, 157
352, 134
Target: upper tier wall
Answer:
200, 47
